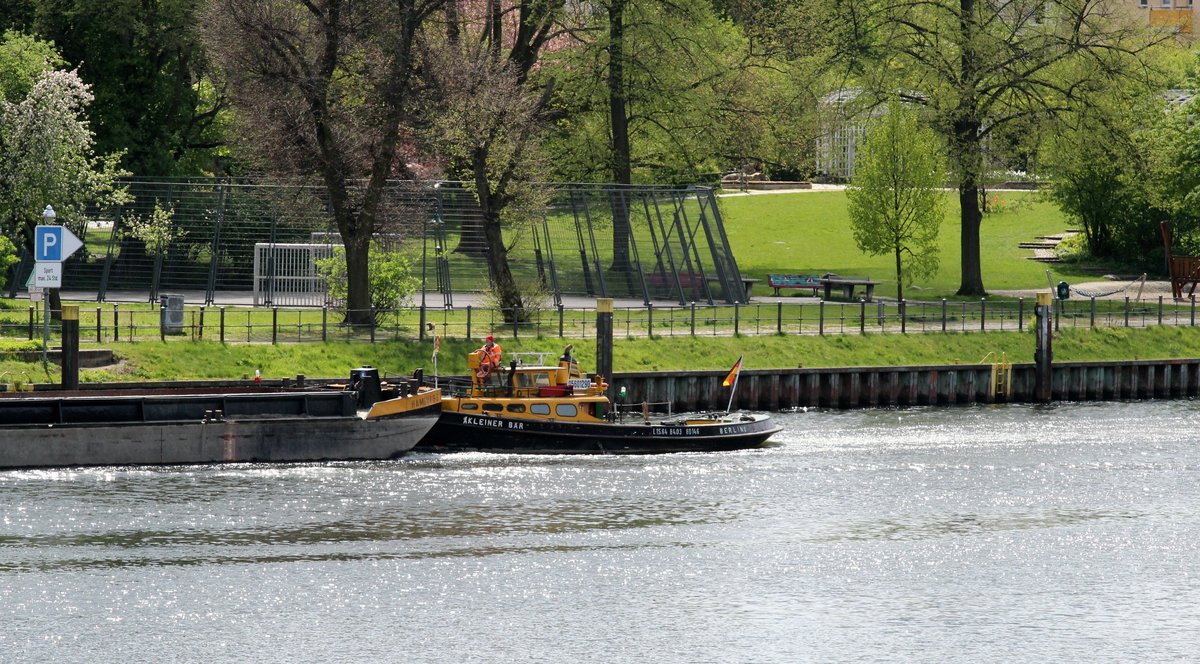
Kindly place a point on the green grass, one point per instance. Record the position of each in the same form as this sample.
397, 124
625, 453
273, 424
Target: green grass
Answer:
809, 232
153, 360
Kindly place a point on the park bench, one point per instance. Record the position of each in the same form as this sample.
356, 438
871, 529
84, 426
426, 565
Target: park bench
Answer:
780, 281
846, 286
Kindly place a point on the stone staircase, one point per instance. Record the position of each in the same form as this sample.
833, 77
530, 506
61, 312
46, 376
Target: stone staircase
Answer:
1043, 247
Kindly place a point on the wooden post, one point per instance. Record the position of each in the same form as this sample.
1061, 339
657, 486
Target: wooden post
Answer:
1043, 355
604, 337
70, 347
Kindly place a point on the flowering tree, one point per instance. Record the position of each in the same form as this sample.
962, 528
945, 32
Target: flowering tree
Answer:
47, 157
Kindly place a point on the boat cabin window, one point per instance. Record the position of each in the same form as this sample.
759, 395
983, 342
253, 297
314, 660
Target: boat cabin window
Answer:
492, 407
516, 408
533, 378
566, 410
540, 409
469, 406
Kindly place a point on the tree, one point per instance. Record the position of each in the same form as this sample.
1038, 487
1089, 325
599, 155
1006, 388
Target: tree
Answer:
894, 203
1102, 178
155, 98
980, 66
489, 119
325, 87
47, 158
650, 92
22, 59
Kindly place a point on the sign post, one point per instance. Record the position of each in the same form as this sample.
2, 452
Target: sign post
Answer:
52, 244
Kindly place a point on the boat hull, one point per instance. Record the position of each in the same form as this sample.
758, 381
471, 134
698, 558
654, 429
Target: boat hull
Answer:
322, 428
456, 431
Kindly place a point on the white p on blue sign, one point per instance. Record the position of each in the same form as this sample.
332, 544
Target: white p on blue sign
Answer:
54, 244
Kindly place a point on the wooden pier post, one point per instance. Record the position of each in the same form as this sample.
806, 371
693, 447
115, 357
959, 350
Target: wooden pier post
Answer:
70, 347
604, 337
1043, 355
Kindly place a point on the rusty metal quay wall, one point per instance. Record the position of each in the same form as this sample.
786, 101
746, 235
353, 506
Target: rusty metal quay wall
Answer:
870, 387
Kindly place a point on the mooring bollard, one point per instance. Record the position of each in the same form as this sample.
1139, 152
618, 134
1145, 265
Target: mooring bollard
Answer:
1043, 354
604, 337
70, 347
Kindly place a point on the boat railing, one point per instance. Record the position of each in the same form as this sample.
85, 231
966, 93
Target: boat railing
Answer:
632, 410
530, 358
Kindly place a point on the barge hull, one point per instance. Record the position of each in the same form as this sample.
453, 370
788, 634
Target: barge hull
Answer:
268, 428
457, 432
265, 440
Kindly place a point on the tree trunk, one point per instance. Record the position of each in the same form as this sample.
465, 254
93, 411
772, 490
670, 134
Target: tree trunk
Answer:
619, 119
358, 279
972, 273
499, 274
899, 276
968, 153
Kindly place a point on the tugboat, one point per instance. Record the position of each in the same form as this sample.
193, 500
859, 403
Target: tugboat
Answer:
543, 409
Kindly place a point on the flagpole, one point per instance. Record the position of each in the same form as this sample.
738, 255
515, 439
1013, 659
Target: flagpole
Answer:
733, 389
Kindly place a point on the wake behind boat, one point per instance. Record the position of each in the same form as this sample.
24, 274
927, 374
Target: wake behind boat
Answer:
543, 409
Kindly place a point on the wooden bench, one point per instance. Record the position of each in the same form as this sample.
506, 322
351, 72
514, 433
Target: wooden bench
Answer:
847, 285
778, 281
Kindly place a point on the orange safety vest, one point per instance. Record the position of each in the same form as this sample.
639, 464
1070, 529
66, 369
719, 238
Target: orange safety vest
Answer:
491, 358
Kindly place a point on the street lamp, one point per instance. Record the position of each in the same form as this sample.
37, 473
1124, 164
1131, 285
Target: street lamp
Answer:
48, 218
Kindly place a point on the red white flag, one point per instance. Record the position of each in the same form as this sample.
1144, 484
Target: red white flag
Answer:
733, 373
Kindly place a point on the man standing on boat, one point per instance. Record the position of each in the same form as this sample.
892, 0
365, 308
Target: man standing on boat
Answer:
490, 362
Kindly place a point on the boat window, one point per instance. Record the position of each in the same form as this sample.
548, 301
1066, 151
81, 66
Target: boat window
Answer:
495, 407
566, 410
542, 378
516, 408
469, 406
524, 379
540, 409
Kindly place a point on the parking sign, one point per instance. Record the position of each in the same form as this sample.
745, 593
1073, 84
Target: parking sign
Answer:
54, 244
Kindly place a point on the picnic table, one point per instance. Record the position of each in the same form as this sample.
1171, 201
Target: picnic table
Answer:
846, 286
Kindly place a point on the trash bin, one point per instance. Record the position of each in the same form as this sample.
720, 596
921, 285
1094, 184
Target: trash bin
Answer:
1064, 290
365, 381
171, 314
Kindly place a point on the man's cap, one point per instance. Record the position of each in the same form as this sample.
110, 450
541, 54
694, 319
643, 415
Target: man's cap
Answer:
489, 338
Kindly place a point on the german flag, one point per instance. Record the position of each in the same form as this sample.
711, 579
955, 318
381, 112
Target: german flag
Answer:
733, 373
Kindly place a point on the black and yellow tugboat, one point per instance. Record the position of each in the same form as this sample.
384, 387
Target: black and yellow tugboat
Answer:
544, 409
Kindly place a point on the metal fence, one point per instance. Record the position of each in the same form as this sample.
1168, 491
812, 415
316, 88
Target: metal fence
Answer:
116, 322
646, 242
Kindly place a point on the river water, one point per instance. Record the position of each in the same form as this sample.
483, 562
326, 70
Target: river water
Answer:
1009, 533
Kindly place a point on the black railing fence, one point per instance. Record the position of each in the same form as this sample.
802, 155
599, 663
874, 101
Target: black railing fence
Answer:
116, 322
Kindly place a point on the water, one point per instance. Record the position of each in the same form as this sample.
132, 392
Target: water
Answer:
959, 534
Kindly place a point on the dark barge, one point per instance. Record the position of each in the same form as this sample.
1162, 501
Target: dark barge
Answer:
213, 425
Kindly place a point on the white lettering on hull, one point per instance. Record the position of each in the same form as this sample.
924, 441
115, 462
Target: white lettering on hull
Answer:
492, 423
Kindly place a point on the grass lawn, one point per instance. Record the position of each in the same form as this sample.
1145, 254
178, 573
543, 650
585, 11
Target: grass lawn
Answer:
809, 232
154, 360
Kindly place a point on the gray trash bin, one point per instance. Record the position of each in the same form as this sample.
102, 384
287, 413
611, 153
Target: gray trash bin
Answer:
171, 314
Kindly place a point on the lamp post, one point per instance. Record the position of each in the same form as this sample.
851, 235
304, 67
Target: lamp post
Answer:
48, 218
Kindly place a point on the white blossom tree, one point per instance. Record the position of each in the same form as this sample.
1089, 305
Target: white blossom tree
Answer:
47, 157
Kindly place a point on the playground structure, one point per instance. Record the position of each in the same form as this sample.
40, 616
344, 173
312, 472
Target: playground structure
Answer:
249, 236
1184, 270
